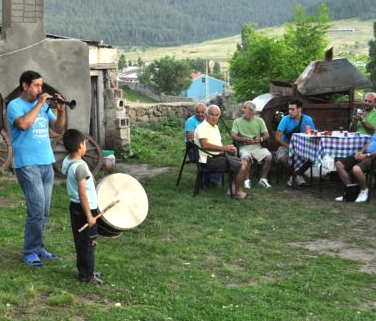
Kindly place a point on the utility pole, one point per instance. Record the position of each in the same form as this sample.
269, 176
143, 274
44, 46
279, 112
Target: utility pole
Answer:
206, 82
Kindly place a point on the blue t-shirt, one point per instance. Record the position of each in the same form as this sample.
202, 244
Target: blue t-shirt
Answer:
372, 145
31, 146
191, 124
287, 124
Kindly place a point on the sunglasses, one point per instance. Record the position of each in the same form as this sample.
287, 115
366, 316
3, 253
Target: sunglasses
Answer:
292, 108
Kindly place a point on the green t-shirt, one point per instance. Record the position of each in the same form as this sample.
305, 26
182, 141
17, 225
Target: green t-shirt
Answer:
249, 128
371, 119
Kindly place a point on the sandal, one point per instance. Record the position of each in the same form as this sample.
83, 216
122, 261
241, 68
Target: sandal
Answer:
43, 254
32, 260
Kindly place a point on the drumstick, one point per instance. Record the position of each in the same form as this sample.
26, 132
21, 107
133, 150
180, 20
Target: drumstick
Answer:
100, 214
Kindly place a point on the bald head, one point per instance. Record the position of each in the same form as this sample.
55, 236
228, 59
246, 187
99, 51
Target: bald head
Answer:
369, 100
200, 110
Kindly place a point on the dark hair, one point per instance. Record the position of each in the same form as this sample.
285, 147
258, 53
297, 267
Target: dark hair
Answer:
296, 102
28, 76
72, 139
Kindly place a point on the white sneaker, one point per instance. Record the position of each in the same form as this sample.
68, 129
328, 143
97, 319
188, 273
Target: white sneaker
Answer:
264, 183
363, 196
339, 199
247, 183
299, 180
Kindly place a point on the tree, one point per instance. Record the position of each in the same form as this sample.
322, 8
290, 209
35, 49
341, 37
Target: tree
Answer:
167, 75
260, 58
371, 66
122, 62
217, 71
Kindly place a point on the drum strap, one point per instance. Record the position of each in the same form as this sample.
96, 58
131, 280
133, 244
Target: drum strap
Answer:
69, 166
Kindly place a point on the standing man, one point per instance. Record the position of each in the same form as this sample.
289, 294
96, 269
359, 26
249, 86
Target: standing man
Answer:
365, 123
29, 118
294, 122
208, 137
249, 131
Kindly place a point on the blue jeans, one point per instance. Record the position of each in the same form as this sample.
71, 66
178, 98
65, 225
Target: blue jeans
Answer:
36, 182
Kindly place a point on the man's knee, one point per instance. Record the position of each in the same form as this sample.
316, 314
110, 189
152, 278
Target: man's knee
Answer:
357, 170
247, 160
339, 165
268, 159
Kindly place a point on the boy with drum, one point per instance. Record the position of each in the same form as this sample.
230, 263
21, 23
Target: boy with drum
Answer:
83, 207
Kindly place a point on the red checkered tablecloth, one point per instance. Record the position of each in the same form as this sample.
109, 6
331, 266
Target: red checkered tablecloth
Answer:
305, 147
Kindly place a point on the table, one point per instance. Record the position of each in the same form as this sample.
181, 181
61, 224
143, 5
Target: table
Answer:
307, 147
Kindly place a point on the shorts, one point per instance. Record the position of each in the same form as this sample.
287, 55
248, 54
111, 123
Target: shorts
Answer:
365, 165
223, 163
256, 152
282, 152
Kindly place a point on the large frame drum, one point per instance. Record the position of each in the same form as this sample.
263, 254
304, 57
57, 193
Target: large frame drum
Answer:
129, 212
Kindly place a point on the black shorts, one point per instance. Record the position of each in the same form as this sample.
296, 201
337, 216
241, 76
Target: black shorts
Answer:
223, 162
365, 165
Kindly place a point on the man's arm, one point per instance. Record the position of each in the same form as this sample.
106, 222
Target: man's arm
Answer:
241, 139
190, 135
280, 141
368, 126
215, 148
27, 120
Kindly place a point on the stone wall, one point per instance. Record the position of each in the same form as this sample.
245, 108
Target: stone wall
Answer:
160, 111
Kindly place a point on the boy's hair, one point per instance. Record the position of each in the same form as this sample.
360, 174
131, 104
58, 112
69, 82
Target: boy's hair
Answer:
28, 76
72, 139
296, 102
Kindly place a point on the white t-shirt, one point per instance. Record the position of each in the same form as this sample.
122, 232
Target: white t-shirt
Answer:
213, 136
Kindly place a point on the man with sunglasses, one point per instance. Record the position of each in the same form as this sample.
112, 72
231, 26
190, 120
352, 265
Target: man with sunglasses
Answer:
294, 122
364, 121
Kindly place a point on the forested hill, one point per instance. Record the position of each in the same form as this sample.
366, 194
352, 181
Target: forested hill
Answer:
162, 22
344, 9
175, 22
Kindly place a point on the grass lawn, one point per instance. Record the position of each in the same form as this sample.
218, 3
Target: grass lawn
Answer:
134, 97
203, 258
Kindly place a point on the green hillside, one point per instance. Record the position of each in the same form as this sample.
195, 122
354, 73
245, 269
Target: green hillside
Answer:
163, 22
221, 50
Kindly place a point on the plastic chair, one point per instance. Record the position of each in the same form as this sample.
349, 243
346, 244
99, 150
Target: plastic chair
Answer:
190, 157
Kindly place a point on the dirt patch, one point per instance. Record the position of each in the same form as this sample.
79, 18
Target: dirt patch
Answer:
140, 171
338, 248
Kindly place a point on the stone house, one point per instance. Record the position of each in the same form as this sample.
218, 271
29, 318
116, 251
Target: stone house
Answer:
85, 71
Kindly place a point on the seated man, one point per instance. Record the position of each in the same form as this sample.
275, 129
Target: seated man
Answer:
249, 131
190, 127
365, 122
360, 163
208, 137
195, 120
294, 122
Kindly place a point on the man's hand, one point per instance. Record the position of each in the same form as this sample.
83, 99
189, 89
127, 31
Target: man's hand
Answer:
229, 148
59, 106
43, 97
360, 156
